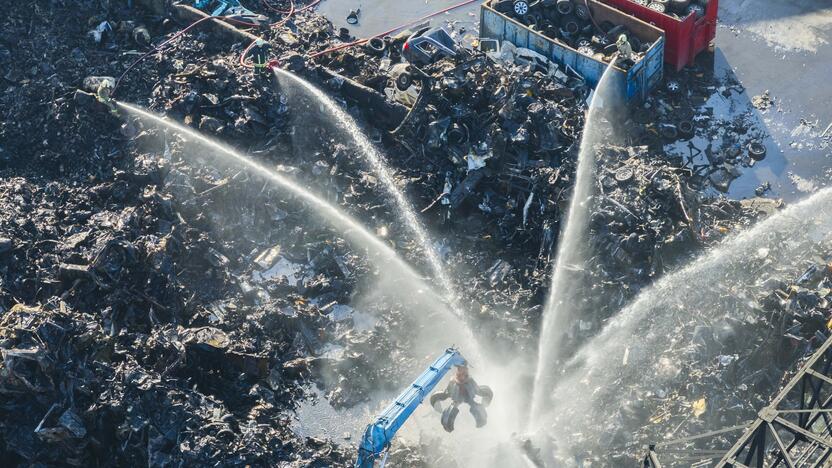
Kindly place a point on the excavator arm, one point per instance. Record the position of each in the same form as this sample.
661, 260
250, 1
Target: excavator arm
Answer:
378, 435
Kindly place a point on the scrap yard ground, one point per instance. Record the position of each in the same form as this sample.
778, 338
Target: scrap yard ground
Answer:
163, 306
769, 45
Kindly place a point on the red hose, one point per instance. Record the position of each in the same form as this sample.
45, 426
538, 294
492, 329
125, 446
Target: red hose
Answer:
288, 16
172, 38
292, 11
245, 52
277, 24
385, 33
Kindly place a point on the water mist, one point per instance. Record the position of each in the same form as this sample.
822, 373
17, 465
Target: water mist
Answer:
563, 301
657, 346
382, 170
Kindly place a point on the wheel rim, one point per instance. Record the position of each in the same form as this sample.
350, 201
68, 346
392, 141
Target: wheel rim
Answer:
521, 8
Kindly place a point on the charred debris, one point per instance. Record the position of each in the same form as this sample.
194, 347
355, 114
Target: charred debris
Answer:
144, 321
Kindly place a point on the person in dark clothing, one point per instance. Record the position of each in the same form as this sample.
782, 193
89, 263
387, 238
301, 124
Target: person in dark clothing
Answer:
462, 389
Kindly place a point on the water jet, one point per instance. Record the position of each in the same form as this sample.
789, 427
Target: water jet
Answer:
349, 227
382, 170
562, 304
677, 327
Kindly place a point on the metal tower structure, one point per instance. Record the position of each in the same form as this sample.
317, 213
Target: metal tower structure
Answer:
794, 430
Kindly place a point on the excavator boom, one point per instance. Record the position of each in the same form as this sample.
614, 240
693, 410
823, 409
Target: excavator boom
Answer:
378, 435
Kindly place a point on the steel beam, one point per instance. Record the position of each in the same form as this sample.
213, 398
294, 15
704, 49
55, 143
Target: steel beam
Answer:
800, 410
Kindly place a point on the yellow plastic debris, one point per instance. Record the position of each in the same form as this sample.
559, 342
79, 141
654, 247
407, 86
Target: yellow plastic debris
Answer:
699, 407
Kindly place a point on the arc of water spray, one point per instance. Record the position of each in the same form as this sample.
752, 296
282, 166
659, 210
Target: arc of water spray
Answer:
502, 420
453, 328
346, 123
648, 331
561, 302
349, 226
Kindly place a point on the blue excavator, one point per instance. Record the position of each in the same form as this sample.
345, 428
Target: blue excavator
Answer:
378, 436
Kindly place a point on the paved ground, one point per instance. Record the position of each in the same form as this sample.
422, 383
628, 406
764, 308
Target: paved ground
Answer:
775, 45
784, 47
377, 16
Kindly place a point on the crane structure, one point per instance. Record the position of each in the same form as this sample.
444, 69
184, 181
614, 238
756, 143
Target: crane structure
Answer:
378, 435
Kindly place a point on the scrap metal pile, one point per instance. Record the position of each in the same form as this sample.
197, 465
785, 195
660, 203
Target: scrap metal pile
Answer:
734, 363
501, 135
157, 311
648, 216
676, 8
570, 22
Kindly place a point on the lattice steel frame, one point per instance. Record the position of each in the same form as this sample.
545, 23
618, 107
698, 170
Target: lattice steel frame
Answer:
794, 430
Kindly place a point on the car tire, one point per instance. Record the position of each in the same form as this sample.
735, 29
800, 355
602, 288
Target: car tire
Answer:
582, 12
570, 25
679, 6
756, 151
657, 7
403, 81
376, 46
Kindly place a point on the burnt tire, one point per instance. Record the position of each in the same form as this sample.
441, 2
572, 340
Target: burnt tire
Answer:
686, 128
376, 46
756, 151
403, 81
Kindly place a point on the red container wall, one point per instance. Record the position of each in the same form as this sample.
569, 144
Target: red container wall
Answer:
685, 38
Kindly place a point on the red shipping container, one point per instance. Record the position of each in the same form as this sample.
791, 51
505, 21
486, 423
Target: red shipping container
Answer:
685, 38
